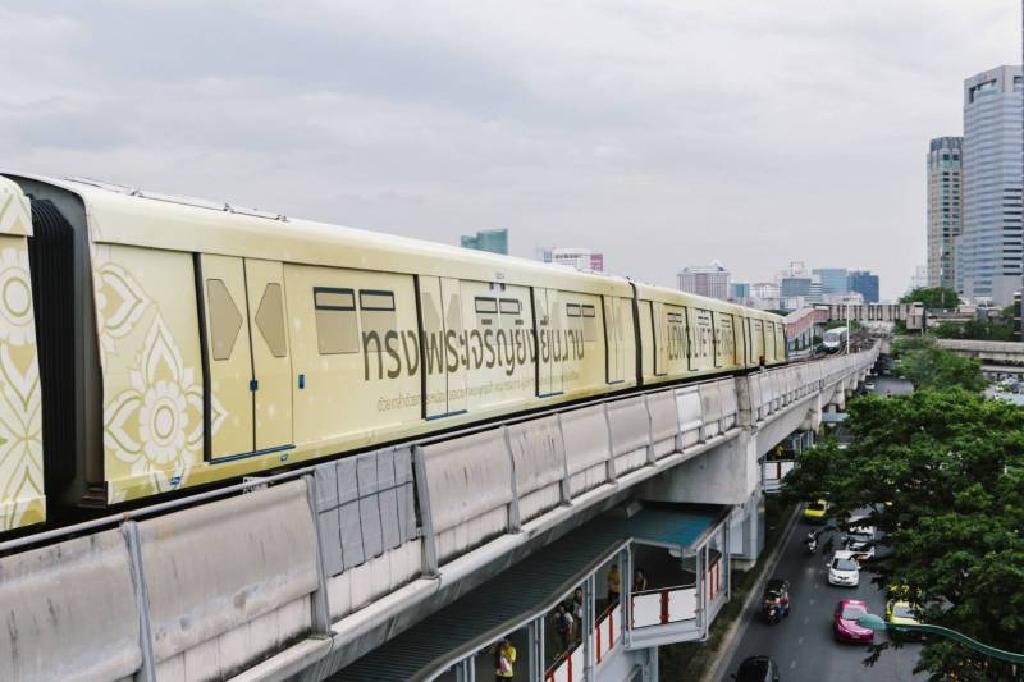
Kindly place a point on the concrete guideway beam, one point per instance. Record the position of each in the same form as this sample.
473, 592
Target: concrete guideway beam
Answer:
207, 591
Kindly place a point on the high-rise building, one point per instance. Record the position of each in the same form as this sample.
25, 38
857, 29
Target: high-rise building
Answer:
919, 280
793, 287
945, 203
864, 283
583, 260
705, 280
739, 291
495, 241
989, 252
833, 280
765, 295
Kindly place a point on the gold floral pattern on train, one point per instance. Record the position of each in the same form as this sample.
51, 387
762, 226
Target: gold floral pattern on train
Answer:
22, 501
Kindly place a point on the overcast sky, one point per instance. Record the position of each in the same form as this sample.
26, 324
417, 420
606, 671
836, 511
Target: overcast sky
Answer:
664, 133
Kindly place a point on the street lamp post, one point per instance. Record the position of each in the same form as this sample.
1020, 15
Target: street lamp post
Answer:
876, 624
847, 325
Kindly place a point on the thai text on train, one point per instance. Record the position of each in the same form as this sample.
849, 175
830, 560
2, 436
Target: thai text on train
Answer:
395, 352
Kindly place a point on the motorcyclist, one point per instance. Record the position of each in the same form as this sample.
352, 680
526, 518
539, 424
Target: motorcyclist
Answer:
775, 600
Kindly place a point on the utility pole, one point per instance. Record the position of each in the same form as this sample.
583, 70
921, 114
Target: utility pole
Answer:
848, 317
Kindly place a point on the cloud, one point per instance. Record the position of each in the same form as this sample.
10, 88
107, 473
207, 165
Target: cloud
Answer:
664, 133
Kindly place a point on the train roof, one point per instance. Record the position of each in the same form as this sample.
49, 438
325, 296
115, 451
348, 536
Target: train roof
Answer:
122, 215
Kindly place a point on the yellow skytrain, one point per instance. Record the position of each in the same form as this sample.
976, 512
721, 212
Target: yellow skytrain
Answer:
183, 342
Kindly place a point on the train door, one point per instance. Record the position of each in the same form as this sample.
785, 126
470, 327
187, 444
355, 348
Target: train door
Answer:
742, 344
614, 341
724, 356
756, 342
660, 336
549, 342
716, 339
451, 298
676, 341
246, 355
272, 365
780, 342
769, 342
737, 340
543, 326
432, 339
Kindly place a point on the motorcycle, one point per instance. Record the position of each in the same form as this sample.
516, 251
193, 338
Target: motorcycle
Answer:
775, 600
812, 542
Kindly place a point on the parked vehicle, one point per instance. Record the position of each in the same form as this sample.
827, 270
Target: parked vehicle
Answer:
843, 569
844, 622
775, 600
757, 669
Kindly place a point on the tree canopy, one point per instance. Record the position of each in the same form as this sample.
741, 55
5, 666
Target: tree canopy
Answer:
943, 472
926, 365
985, 330
933, 297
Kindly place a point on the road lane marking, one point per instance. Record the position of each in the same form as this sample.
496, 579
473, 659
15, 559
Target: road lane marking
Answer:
799, 640
811, 601
792, 664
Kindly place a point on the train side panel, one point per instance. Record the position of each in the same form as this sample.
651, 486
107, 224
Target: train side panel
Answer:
22, 497
152, 367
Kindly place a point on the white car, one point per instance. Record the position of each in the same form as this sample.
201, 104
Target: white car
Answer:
861, 542
843, 569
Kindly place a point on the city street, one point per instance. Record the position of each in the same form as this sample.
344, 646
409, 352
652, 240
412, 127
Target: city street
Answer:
802, 644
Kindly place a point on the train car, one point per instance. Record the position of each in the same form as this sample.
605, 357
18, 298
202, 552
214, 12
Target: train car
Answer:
209, 342
684, 336
835, 340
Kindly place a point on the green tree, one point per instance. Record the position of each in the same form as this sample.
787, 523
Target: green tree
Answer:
933, 297
921, 361
984, 330
942, 471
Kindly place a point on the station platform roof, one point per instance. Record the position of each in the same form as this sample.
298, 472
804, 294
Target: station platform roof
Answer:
528, 589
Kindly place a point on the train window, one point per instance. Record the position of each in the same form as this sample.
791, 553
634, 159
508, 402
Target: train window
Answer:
270, 320
572, 309
334, 299
376, 301
485, 306
377, 312
336, 327
510, 306
225, 319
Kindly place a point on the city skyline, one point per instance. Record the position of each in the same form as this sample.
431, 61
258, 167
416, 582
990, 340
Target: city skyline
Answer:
431, 122
497, 124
